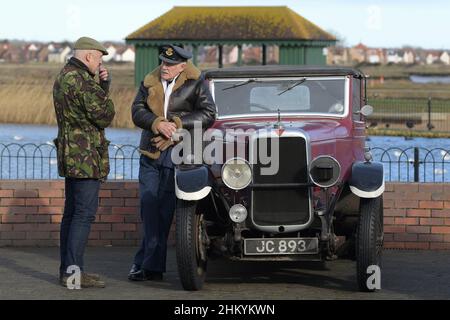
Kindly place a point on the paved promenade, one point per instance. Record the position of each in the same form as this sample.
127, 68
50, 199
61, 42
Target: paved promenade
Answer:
31, 273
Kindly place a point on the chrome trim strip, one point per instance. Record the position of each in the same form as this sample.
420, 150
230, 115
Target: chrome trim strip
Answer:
283, 114
275, 114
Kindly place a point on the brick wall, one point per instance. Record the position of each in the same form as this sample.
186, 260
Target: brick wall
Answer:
31, 213
416, 216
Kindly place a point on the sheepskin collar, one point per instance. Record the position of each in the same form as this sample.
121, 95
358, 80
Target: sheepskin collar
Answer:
153, 83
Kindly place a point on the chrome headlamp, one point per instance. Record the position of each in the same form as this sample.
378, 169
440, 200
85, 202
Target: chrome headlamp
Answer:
238, 213
324, 171
236, 173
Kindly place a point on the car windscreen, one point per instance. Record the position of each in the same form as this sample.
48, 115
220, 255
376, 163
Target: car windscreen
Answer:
264, 96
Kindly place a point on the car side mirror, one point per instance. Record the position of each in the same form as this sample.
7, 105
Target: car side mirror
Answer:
365, 111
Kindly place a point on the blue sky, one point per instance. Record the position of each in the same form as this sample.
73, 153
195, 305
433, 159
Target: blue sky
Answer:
375, 23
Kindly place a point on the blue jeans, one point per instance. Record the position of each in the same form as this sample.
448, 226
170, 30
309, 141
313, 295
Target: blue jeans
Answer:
157, 199
79, 212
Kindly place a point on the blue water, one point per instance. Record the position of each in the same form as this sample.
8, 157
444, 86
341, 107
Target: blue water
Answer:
398, 154
37, 134
21, 159
429, 79
386, 142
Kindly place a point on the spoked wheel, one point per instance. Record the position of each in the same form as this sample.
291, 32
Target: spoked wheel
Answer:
191, 245
369, 240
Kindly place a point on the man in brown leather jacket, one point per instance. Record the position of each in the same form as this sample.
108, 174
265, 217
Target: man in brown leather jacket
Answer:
171, 97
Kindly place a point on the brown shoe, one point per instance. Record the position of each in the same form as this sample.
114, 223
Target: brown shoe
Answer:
90, 275
94, 276
91, 281
87, 281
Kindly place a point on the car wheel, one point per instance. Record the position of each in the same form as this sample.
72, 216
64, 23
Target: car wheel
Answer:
369, 240
191, 245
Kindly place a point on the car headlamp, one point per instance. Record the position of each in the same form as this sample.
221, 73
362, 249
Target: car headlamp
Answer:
238, 213
236, 173
324, 171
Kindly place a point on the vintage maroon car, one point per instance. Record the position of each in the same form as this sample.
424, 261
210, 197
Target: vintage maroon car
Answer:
296, 181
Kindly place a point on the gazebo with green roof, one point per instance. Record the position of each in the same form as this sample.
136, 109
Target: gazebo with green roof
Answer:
300, 41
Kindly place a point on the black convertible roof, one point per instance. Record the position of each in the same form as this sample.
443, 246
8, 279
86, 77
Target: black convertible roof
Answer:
281, 70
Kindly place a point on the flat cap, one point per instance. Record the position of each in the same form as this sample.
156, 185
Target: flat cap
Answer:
174, 54
86, 43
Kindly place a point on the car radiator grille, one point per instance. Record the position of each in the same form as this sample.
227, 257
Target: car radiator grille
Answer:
277, 206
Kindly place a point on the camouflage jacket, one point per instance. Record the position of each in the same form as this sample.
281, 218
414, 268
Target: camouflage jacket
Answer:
83, 110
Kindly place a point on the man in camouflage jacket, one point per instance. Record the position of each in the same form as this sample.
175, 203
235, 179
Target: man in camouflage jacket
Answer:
83, 110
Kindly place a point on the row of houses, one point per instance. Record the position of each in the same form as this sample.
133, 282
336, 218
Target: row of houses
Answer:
363, 54
20, 52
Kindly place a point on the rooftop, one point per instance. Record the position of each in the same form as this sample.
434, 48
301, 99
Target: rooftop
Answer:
230, 23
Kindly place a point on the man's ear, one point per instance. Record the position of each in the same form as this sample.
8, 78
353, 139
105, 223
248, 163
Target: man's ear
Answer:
88, 56
183, 66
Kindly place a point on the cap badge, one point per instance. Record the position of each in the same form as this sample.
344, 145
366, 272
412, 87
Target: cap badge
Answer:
169, 52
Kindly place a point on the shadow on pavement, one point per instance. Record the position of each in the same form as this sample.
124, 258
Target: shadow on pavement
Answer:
312, 274
15, 267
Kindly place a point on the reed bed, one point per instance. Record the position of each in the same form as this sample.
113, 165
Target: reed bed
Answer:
26, 95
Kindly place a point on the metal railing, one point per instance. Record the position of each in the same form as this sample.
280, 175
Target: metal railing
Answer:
31, 161
418, 114
414, 164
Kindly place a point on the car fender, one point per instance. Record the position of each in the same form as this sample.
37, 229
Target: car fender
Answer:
367, 180
192, 183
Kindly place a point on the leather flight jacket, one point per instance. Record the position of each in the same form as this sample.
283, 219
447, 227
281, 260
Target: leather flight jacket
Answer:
190, 101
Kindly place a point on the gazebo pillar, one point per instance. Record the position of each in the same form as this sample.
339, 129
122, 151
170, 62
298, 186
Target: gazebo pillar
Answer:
194, 54
239, 62
220, 56
264, 54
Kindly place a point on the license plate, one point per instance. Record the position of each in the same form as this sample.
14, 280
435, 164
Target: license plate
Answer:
281, 246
